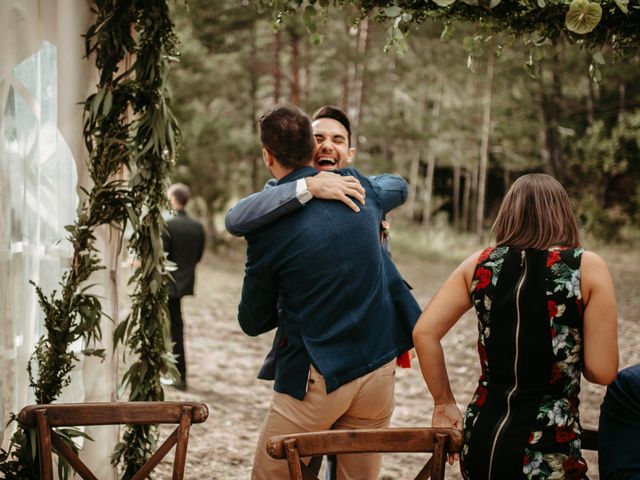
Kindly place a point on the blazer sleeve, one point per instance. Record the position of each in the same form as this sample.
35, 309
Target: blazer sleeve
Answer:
261, 208
258, 309
392, 190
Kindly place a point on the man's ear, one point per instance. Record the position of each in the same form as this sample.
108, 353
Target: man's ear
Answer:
267, 157
351, 155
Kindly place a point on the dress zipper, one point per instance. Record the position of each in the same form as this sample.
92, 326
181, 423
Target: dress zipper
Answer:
523, 261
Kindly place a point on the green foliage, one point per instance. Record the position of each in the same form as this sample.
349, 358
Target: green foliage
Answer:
608, 159
133, 125
608, 22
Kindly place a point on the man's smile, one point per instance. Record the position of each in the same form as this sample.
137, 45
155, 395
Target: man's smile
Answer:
324, 161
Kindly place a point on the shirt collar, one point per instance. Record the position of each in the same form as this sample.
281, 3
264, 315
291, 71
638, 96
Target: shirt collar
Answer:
297, 174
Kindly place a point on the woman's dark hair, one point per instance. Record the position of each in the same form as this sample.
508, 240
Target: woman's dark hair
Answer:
536, 213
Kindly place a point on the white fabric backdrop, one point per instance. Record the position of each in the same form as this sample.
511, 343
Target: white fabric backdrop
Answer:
43, 77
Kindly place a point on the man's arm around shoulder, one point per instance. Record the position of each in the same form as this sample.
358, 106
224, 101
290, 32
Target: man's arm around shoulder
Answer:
262, 208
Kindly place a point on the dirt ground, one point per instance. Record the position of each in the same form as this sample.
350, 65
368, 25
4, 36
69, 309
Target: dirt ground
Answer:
223, 364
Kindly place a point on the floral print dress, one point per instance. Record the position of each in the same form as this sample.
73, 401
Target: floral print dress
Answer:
523, 420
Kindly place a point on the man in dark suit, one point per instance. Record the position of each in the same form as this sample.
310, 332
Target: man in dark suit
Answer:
320, 275
184, 244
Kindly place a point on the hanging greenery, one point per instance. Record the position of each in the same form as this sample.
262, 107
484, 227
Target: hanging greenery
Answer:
595, 24
127, 124
142, 135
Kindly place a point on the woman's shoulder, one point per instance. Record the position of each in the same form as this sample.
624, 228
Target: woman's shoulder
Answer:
591, 260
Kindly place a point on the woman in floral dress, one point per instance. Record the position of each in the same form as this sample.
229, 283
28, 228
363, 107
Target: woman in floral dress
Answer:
546, 314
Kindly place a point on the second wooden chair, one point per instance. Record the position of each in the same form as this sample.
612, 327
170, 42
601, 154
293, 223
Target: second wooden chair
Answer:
439, 441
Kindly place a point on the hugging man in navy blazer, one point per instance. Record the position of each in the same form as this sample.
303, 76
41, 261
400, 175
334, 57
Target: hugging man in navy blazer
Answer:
321, 275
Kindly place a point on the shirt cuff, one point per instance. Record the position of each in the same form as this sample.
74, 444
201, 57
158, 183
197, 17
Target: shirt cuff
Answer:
302, 192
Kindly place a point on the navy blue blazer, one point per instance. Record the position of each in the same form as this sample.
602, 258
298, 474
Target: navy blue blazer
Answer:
324, 268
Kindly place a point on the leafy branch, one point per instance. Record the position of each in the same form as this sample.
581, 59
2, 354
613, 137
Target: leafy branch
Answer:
133, 101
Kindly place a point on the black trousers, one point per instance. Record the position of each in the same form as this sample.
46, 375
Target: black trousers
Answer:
177, 336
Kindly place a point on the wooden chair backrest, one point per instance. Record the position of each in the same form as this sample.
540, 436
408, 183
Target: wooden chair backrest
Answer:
439, 441
45, 417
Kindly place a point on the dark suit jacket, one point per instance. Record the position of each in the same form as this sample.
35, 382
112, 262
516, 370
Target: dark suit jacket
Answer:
324, 268
184, 244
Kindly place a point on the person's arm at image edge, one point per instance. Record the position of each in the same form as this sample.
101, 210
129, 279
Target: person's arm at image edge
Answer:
600, 320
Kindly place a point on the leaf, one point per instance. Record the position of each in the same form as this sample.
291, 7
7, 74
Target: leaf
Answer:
598, 58
108, 100
542, 3
583, 16
444, 3
623, 5
316, 39
468, 43
392, 12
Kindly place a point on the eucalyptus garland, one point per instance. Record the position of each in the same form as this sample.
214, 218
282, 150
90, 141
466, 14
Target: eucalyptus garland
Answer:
592, 23
140, 31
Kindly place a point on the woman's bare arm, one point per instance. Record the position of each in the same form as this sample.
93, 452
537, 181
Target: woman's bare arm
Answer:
600, 320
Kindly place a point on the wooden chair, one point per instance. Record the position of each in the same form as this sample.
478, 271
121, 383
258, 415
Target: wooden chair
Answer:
45, 417
439, 441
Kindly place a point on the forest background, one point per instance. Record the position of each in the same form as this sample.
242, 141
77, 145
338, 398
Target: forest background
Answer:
458, 114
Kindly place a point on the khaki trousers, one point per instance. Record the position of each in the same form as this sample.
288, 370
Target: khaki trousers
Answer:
366, 402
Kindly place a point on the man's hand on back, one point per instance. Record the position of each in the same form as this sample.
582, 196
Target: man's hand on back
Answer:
331, 186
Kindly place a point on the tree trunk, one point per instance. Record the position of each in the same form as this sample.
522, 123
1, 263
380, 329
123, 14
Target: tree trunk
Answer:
392, 79
413, 183
621, 101
484, 140
590, 97
473, 196
277, 71
211, 233
253, 59
549, 113
427, 198
364, 42
466, 199
307, 76
346, 67
456, 189
295, 67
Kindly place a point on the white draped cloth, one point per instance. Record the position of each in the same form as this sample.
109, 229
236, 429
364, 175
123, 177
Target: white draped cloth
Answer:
43, 79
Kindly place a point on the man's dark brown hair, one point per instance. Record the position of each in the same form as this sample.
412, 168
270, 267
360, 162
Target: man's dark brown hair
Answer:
285, 131
181, 193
